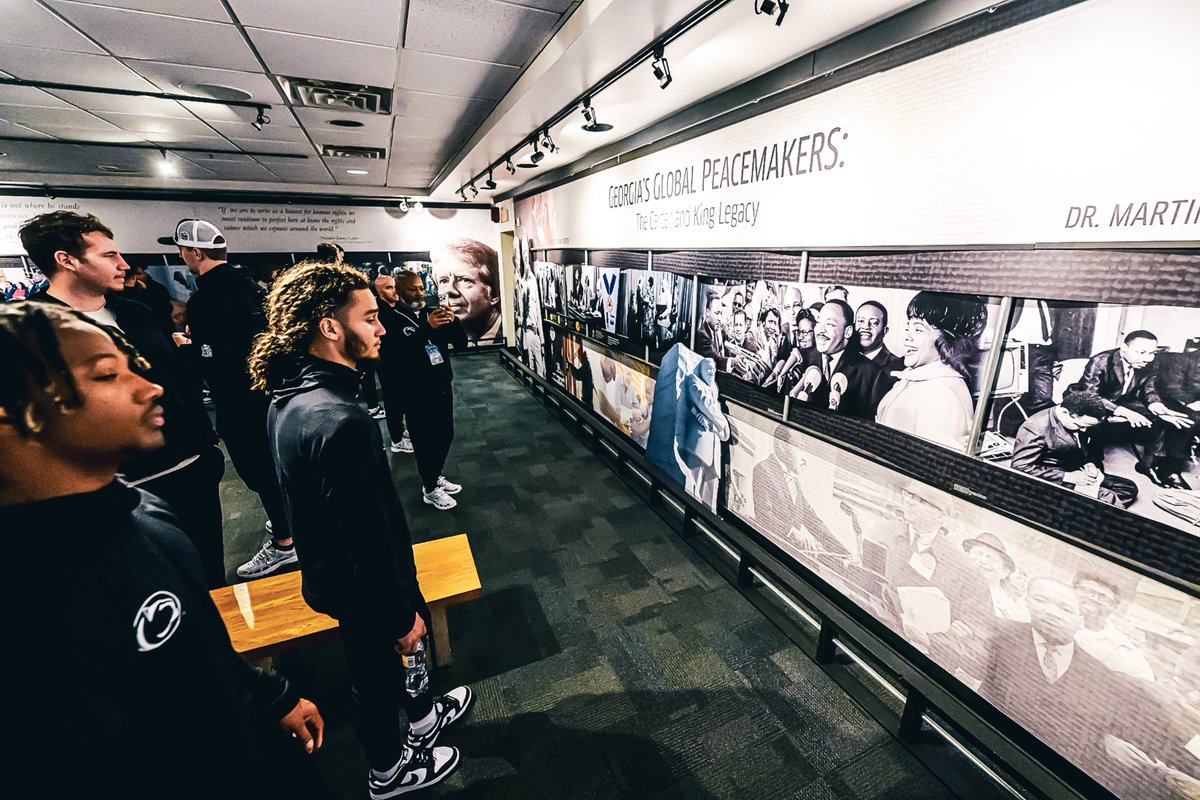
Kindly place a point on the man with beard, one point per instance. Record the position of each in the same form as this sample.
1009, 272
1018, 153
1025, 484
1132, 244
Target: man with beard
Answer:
871, 325
357, 557
863, 384
388, 368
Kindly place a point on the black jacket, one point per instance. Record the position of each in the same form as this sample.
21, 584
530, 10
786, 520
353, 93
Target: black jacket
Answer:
351, 534
404, 353
1105, 375
186, 427
225, 315
125, 676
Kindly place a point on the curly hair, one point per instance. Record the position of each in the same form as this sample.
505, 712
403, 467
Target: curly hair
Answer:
38, 381
300, 298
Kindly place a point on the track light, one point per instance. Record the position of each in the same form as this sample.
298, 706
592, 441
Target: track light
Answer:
662, 70
463, 194
508, 165
417, 206
537, 155
260, 120
404, 205
474, 191
547, 142
769, 7
490, 183
589, 116
164, 167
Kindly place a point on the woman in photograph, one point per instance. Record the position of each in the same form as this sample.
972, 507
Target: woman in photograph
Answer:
931, 398
802, 354
700, 427
1005, 582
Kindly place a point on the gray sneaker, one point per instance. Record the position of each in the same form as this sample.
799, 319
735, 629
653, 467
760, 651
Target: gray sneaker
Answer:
439, 499
402, 446
269, 559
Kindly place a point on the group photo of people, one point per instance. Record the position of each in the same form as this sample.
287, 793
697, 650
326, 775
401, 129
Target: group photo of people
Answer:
906, 359
1099, 662
1103, 400
613, 385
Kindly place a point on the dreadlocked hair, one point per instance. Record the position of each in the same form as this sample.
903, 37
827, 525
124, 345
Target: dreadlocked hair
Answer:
300, 298
38, 381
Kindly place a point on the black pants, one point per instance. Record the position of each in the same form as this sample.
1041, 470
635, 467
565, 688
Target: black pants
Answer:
245, 435
377, 690
393, 403
194, 494
1175, 450
431, 428
369, 392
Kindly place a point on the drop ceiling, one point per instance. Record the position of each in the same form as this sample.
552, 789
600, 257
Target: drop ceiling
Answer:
469, 80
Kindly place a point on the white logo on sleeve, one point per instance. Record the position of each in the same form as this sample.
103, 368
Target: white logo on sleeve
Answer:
205, 351
157, 620
409, 330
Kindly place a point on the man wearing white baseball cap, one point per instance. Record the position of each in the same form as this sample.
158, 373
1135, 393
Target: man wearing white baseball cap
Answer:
225, 314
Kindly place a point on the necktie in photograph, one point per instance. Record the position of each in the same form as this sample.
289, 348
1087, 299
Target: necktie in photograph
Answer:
1050, 662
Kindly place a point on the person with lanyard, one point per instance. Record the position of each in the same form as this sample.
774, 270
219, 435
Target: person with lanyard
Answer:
86, 273
422, 371
225, 314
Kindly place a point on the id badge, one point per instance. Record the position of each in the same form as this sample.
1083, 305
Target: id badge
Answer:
435, 355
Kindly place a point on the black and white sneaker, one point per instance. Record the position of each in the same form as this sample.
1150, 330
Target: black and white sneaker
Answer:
450, 707
377, 413
421, 768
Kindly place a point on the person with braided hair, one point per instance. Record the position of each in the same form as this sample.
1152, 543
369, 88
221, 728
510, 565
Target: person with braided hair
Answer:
159, 707
356, 557
931, 398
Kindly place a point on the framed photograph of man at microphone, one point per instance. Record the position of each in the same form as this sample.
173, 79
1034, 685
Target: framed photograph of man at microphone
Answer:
907, 359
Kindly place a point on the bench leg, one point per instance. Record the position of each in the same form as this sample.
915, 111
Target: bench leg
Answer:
441, 636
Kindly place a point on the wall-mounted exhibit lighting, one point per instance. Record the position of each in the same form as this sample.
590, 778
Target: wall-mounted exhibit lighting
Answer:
508, 165
404, 206
537, 155
589, 115
769, 7
547, 142
660, 67
261, 119
474, 191
463, 194
490, 183
417, 206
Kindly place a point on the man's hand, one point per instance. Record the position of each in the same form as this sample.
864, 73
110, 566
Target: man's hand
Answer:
1132, 417
180, 339
1176, 418
440, 316
407, 645
304, 723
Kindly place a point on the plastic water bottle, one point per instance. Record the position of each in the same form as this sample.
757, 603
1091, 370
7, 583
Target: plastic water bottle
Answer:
416, 675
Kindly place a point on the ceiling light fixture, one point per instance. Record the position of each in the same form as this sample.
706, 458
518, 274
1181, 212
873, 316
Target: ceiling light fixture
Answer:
490, 183
344, 123
660, 67
261, 119
508, 165
463, 194
547, 142
357, 172
769, 7
589, 115
404, 205
474, 191
537, 155
165, 167
418, 205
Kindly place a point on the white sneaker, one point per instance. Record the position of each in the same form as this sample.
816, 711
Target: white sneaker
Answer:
269, 559
421, 768
377, 413
448, 487
439, 499
402, 446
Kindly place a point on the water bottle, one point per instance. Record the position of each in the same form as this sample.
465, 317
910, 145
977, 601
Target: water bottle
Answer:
416, 675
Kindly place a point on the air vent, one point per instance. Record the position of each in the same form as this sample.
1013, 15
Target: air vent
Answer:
337, 96
347, 151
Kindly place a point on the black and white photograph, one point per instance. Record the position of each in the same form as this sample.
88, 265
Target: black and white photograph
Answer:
552, 285
617, 387
906, 359
655, 309
1103, 400
689, 425
1099, 662
583, 295
528, 318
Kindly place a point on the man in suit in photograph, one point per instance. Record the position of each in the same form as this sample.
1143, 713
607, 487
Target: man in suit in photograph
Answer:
871, 325
1179, 389
1126, 378
780, 508
710, 336
865, 383
1053, 445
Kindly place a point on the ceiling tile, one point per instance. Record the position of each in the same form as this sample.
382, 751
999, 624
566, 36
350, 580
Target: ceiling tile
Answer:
35, 64
557, 6
26, 21
71, 133
40, 118
479, 29
157, 125
37, 157
461, 77
180, 78
119, 104
316, 121
13, 129
28, 96
211, 10
368, 21
300, 56
183, 140
298, 171
268, 146
159, 37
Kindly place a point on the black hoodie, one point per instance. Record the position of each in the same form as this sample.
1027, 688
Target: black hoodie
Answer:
351, 534
126, 684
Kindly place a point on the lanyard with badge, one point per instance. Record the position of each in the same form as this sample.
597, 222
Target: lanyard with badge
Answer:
431, 349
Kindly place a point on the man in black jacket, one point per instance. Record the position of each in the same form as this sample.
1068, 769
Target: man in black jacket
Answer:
85, 269
225, 313
421, 369
356, 548
390, 376
135, 690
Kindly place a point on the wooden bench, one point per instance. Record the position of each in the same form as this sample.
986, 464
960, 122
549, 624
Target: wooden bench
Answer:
268, 616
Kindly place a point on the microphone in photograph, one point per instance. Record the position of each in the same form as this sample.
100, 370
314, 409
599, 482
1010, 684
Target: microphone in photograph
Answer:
837, 385
809, 383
